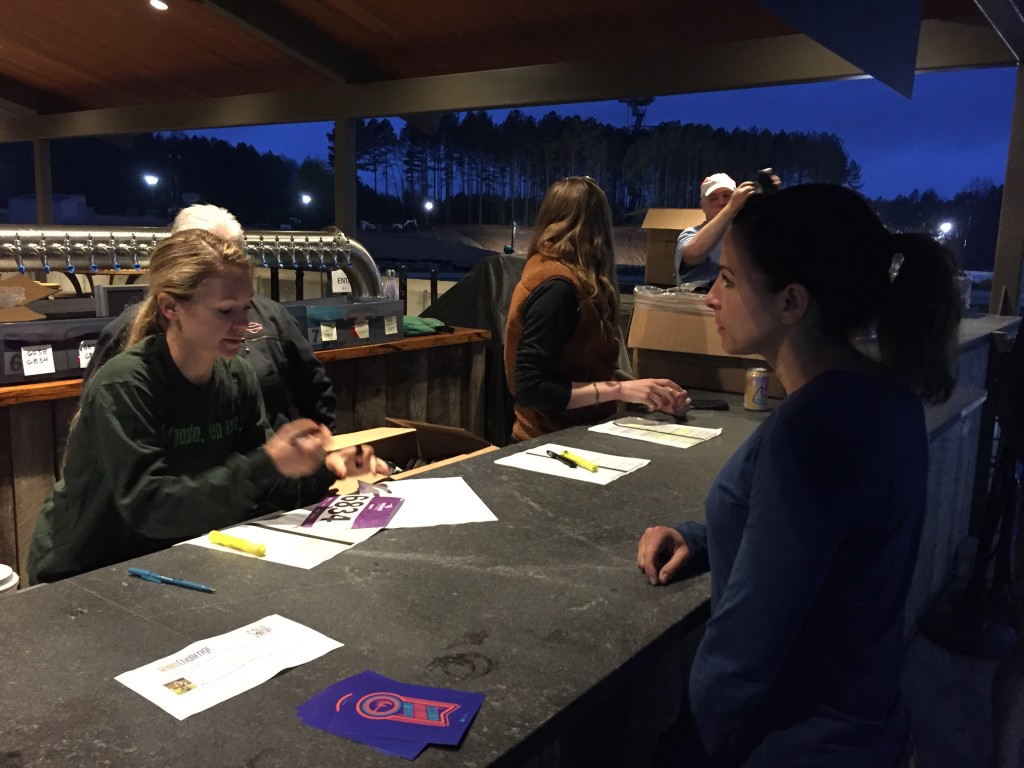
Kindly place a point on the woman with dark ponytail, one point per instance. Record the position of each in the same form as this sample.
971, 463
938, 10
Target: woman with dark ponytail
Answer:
171, 439
813, 525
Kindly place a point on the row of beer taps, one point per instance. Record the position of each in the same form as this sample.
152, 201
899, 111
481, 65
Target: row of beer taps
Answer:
320, 255
133, 251
51, 251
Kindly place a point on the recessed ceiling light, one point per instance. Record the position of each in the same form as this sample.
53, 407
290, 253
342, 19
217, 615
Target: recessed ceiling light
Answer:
160, 5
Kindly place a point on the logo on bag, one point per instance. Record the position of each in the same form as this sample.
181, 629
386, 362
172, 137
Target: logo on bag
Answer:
391, 706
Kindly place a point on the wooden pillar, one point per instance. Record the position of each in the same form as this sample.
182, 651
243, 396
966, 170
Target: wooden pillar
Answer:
44, 181
345, 175
1005, 298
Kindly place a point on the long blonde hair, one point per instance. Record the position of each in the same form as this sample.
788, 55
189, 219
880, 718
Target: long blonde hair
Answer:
178, 266
574, 226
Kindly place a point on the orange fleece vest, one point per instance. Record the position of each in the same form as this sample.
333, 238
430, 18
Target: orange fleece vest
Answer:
588, 356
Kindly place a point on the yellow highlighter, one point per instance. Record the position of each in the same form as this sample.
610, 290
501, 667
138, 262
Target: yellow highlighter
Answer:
579, 461
226, 540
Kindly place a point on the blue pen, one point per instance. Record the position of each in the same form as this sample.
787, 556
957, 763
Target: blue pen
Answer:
157, 578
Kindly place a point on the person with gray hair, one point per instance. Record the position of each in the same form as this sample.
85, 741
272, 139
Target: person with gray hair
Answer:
292, 381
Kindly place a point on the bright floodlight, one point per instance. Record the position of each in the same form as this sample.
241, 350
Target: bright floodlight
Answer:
158, 4
306, 199
428, 205
150, 179
945, 227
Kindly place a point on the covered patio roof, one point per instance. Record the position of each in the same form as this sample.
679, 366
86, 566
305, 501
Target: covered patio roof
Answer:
94, 69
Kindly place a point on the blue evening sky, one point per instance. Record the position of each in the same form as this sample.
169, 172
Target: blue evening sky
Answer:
954, 131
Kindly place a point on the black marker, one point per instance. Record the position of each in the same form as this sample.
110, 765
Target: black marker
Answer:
568, 462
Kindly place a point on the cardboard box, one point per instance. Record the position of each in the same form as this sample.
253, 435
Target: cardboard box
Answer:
33, 291
663, 226
404, 441
679, 340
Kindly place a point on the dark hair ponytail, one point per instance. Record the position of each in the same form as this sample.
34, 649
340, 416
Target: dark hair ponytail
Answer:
828, 239
917, 324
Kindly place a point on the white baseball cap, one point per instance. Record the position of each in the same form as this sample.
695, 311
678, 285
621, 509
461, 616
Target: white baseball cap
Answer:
717, 181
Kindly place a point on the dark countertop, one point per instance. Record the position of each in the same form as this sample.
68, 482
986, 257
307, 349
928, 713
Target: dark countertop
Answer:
976, 328
544, 611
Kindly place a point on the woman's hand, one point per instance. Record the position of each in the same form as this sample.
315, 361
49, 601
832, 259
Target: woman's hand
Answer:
661, 553
297, 448
657, 394
356, 459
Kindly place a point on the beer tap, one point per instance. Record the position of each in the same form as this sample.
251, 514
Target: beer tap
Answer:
126, 249
135, 254
322, 250
263, 253
15, 252
277, 250
39, 251
335, 247
346, 248
295, 252
86, 249
65, 249
307, 249
112, 247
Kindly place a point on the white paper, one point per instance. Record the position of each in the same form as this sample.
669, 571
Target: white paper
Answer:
287, 542
37, 360
436, 501
654, 431
213, 670
609, 467
425, 502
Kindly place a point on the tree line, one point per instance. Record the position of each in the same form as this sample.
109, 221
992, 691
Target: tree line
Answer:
475, 171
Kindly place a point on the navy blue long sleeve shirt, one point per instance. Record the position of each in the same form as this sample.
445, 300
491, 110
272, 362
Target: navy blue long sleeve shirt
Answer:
812, 536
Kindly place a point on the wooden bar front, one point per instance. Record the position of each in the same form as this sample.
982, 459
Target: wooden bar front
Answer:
437, 378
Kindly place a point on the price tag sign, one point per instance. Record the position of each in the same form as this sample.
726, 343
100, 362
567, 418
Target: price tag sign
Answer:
328, 332
37, 360
362, 330
85, 353
390, 325
340, 282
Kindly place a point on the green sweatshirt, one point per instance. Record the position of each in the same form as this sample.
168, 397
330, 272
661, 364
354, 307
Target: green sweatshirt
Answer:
152, 460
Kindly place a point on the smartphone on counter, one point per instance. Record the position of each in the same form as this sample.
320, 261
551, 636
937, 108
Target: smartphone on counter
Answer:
704, 404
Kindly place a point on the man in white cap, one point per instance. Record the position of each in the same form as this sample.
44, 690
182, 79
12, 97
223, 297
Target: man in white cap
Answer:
698, 248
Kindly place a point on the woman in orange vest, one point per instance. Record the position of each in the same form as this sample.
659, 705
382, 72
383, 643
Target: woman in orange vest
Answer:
562, 338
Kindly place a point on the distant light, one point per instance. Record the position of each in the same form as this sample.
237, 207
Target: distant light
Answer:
150, 179
306, 199
160, 5
428, 205
945, 227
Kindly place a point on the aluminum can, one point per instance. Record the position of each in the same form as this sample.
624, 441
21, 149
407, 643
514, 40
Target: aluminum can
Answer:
755, 393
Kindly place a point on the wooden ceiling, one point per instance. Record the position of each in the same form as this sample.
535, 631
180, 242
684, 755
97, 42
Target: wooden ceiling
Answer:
112, 60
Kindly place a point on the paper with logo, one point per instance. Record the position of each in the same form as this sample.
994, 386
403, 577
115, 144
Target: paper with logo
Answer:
398, 718
213, 670
306, 537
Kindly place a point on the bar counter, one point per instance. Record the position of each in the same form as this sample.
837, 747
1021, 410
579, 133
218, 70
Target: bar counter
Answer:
544, 611
436, 378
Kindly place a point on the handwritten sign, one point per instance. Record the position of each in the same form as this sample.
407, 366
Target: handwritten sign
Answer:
37, 360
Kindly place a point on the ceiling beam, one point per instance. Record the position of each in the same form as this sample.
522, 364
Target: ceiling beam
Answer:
1007, 18
29, 99
297, 38
774, 61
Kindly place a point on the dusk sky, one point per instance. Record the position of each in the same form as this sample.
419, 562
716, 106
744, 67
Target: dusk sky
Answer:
954, 131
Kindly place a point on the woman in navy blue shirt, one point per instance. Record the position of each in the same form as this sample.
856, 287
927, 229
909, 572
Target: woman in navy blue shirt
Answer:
813, 525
